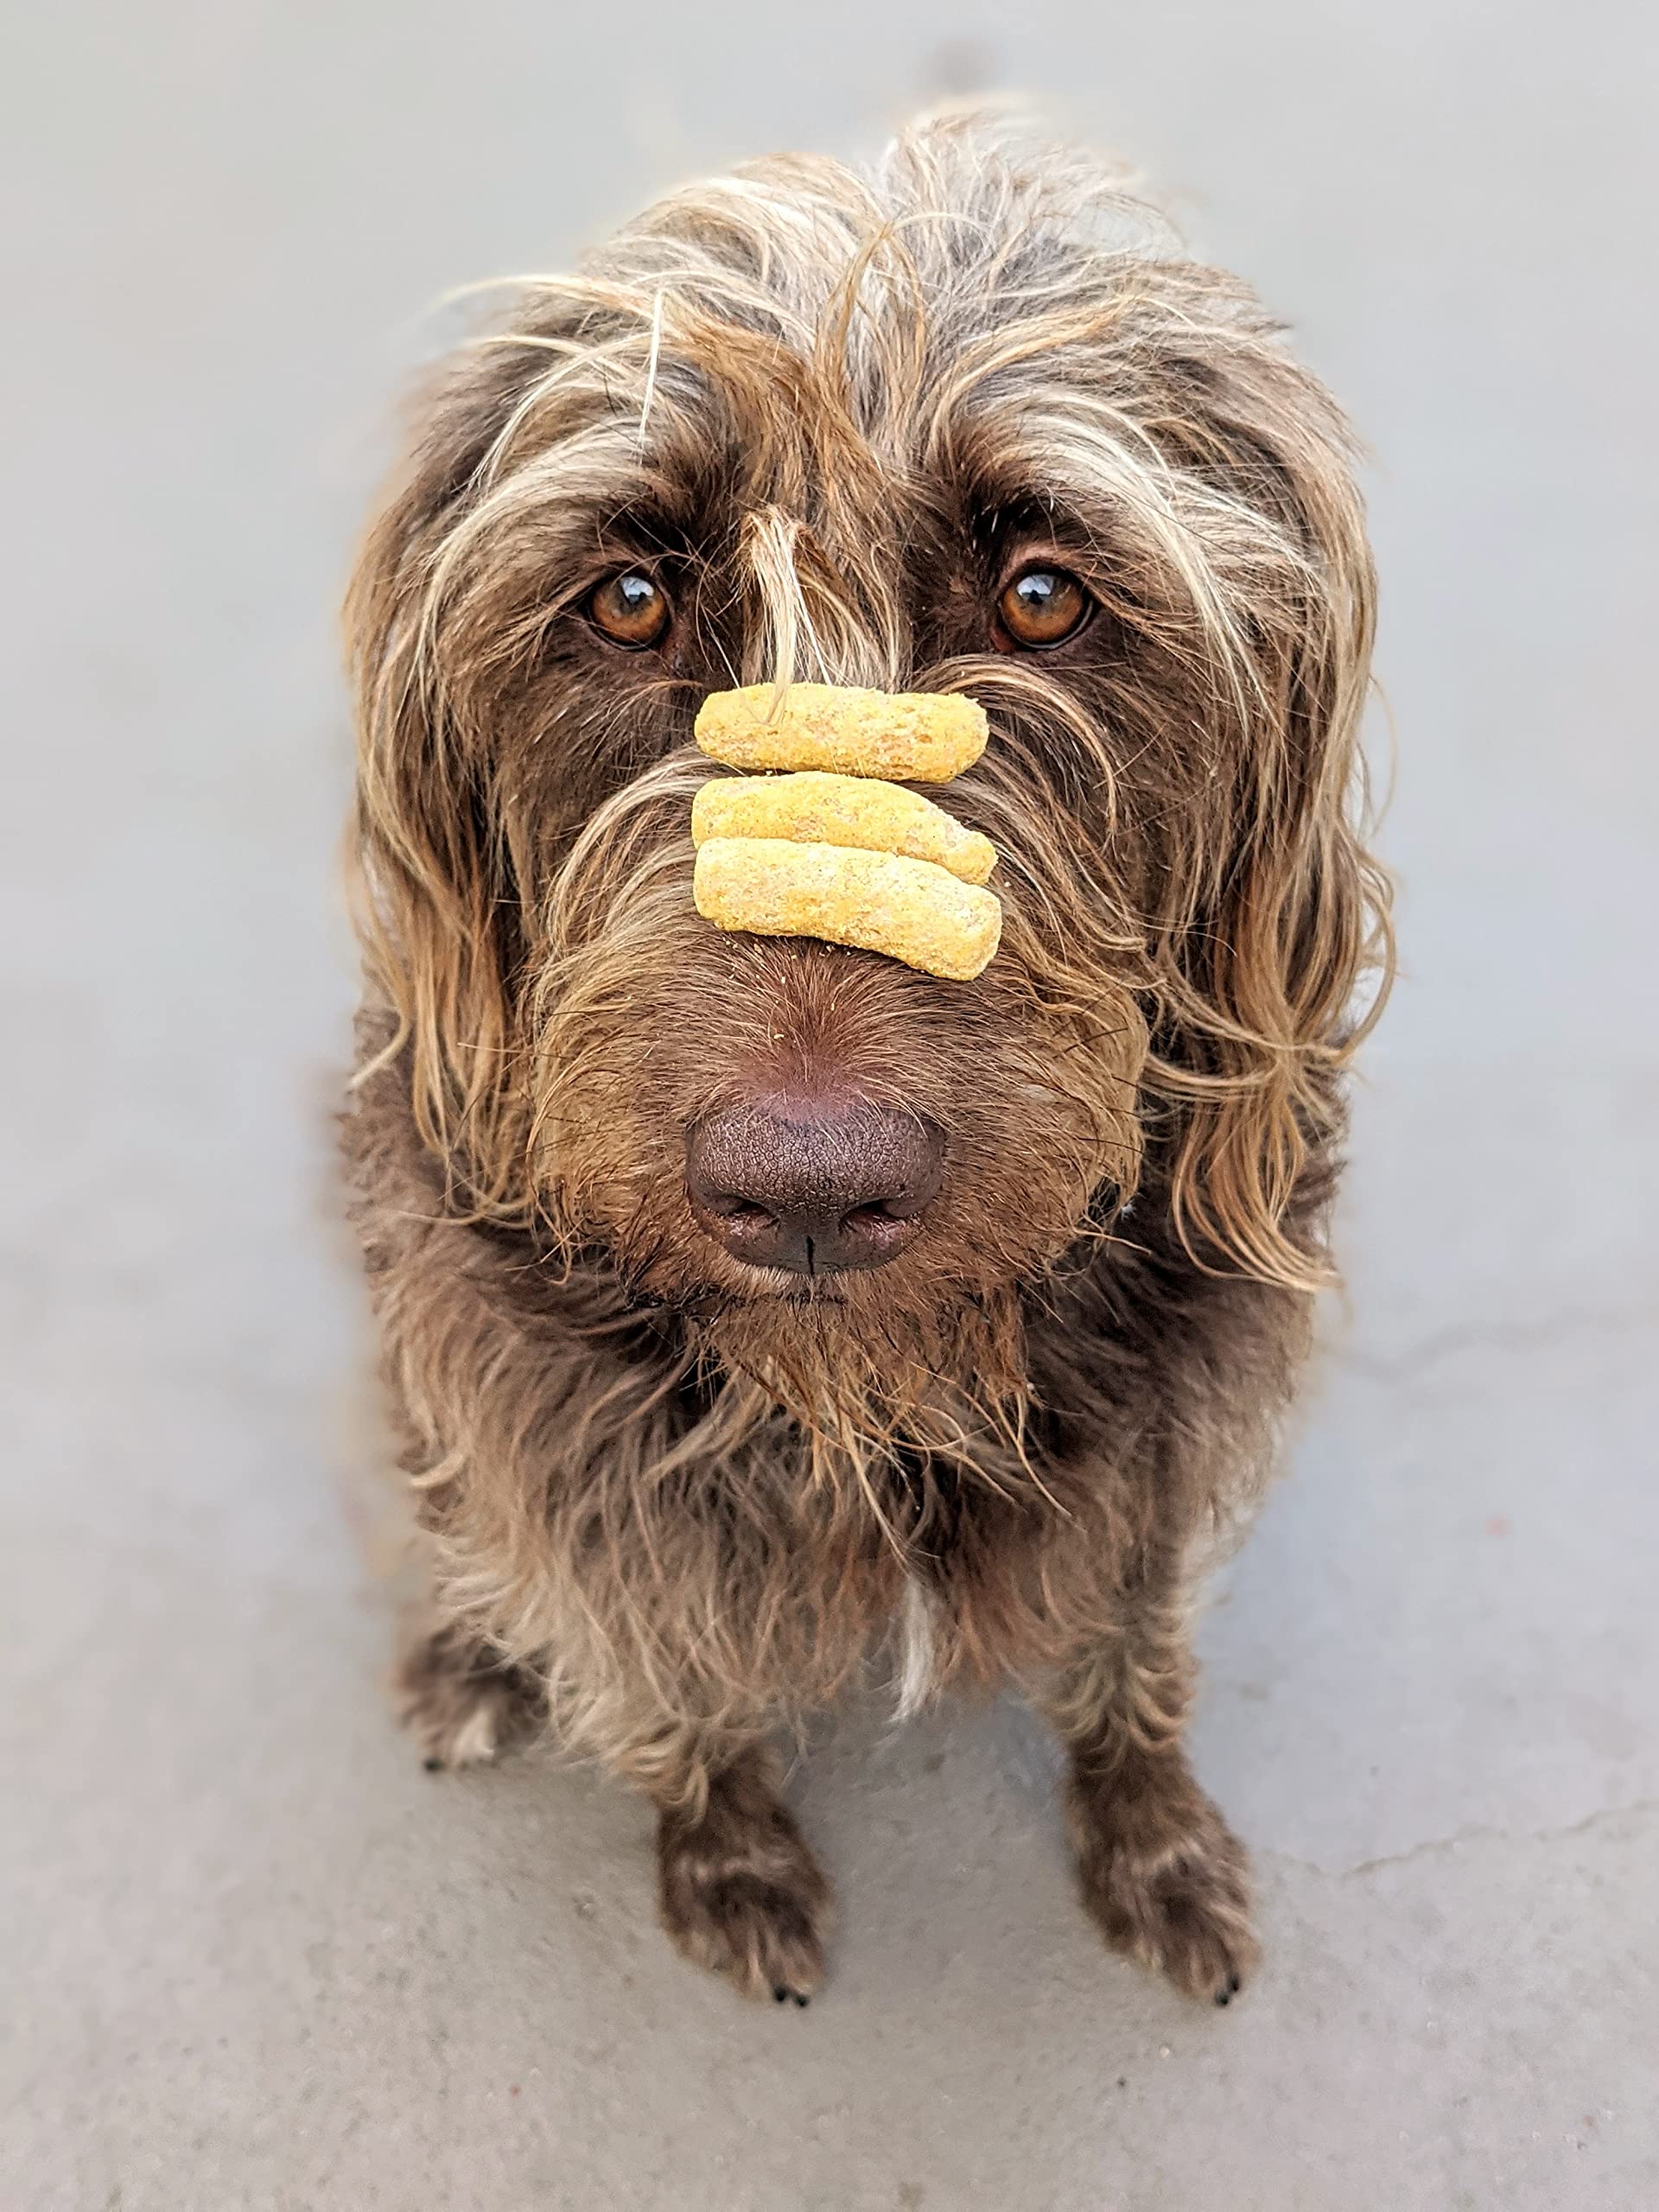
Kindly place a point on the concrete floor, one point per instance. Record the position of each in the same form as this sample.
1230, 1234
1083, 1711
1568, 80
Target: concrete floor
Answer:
252, 1955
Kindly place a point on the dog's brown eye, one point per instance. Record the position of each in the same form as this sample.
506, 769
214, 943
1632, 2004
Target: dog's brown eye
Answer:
1043, 607
630, 610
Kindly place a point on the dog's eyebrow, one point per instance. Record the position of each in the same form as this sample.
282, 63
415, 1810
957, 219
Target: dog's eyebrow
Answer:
1021, 510
649, 528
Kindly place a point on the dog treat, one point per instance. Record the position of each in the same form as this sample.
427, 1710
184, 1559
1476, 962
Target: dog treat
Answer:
920, 737
913, 911
811, 808
830, 847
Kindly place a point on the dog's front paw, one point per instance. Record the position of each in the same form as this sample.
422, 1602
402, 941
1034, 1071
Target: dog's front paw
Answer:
462, 1703
743, 1896
1166, 1882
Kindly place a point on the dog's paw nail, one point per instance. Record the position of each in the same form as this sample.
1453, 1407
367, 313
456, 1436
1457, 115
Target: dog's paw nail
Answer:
433, 1766
802, 2001
781, 1995
1226, 1995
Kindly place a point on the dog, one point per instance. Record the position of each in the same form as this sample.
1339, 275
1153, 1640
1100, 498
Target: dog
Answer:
758, 1313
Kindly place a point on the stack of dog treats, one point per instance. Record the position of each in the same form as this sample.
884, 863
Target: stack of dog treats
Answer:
823, 844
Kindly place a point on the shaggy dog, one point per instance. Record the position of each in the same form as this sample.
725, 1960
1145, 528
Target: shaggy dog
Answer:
969, 422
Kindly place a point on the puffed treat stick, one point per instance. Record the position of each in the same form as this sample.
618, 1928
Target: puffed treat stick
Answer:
918, 737
913, 911
811, 808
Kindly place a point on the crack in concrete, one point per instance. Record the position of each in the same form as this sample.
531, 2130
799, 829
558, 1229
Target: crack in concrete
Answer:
1514, 1336
1643, 1809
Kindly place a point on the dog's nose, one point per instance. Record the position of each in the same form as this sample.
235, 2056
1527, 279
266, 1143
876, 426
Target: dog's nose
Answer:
815, 1188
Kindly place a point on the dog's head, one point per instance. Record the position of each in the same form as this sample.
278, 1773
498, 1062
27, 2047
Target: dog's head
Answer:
968, 424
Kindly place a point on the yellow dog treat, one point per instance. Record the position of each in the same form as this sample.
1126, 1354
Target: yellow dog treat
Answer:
913, 911
813, 808
920, 737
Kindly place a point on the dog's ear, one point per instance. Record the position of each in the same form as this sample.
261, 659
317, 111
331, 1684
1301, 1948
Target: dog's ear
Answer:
1288, 919
436, 896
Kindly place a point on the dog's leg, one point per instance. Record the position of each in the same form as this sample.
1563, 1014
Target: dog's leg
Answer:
1163, 1877
462, 1702
741, 1894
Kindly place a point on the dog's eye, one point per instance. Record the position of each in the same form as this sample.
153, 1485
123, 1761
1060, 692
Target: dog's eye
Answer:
630, 610
1040, 608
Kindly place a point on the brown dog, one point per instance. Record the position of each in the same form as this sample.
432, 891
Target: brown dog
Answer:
754, 1308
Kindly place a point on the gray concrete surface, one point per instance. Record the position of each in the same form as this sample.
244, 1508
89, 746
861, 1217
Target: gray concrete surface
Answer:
251, 1956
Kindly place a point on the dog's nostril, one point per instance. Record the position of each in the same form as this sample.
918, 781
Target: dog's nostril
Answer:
870, 1216
814, 1187
730, 1208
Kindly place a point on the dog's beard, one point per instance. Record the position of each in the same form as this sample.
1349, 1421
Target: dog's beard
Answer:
905, 1407
854, 1363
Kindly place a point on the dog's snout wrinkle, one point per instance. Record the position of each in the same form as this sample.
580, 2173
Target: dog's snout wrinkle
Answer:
815, 1188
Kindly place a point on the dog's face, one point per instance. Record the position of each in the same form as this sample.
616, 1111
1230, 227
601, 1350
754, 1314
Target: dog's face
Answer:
966, 427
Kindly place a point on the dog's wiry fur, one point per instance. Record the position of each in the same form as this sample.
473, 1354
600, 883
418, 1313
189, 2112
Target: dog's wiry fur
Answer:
673, 1501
